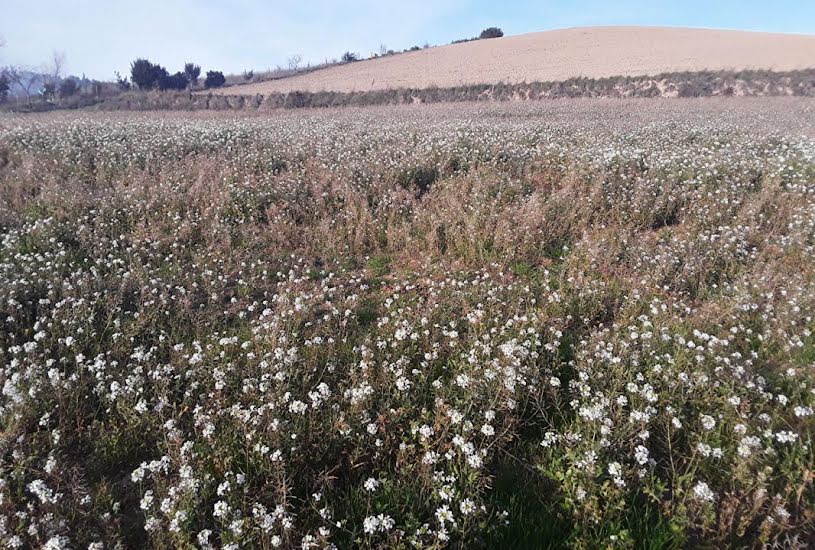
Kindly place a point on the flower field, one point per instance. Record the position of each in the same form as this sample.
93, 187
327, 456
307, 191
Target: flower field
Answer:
578, 324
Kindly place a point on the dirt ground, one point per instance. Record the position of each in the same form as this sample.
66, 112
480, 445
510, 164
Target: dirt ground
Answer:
558, 55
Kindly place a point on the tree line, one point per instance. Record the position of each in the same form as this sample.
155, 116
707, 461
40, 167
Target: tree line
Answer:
46, 82
152, 76
146, 75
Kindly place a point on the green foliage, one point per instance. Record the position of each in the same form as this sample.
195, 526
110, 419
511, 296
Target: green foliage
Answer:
192, 72
491, 32
68, 87
596, 333
147, 75
177, 81
214, 79
379, 265
418, 179
5, 85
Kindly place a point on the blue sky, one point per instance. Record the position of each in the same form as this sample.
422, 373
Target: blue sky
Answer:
100, 37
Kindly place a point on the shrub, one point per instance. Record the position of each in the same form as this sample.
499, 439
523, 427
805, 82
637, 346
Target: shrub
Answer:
68, 87
122, 82
296, 100
214, 79
418, 179
49, 89
248, 75
492, 32
146, 75
379, 265
4, 87
159, 73
176, 81
350, 57
698, 87
141, 73
192, 72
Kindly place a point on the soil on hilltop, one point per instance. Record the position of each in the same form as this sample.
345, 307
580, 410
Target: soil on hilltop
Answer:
557, 55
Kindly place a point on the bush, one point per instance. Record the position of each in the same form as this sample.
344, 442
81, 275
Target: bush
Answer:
68, 87
418, 179
695, 88
177, 81
122, 82
379, 265
492, 32
146, 75
350, 57
192, 72
49, 89
4, 87
214, 79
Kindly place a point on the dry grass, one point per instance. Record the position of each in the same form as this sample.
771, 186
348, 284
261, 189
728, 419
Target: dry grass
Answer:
683, 85
586, 322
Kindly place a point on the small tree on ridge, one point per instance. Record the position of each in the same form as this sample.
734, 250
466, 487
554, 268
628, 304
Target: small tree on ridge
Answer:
214, 79
491, 32
192, 72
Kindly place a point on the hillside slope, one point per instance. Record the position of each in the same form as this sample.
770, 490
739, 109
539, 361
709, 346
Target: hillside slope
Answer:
558, 55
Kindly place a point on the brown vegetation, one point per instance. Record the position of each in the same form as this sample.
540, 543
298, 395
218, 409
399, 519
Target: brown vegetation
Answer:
701, 84
469, 326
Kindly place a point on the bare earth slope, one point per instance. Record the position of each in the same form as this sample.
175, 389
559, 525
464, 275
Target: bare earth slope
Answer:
558, 55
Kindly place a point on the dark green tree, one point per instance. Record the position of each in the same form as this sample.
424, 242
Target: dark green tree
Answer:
492, 32
146, 75
5, 84
68, 87
192, 72
214, 79
177, 81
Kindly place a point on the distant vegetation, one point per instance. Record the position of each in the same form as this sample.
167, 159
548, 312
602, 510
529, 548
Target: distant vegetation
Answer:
4, 87
152, 76
53, 91
490, 32
192, 72
294, 62
700, 84
215, 79
46, 87
68, 87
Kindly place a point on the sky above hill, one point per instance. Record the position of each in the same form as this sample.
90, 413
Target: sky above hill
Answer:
100, 37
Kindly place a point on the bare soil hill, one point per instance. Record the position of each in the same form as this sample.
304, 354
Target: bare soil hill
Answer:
592, 52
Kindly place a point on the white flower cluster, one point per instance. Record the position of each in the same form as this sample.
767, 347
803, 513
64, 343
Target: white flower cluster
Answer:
381, 327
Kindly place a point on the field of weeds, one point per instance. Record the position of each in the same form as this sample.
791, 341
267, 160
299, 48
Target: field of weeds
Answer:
583, 324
